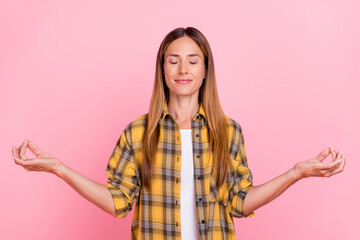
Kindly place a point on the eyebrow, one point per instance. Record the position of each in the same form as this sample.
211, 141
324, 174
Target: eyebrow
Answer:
177, 55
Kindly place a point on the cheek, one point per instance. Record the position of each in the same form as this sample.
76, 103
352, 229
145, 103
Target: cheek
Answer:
167, 75
200, 72
168, 70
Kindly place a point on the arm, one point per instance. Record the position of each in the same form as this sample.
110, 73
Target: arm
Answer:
260, 195
92, 191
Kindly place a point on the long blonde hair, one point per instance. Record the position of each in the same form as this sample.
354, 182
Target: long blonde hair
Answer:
208, 96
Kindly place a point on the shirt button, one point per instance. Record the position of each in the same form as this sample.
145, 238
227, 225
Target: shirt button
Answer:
197, 135
176, 202
177, 181
200, 199
198, 177
198, 156
177, 224
203, 221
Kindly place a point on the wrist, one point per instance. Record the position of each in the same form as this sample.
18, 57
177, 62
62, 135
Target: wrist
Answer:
59, 169
295, 173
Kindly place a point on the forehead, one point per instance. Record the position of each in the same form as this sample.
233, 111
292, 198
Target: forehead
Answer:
183, 46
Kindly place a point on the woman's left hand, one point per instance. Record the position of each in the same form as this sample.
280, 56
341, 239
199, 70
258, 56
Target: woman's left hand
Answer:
260, 195
316, 168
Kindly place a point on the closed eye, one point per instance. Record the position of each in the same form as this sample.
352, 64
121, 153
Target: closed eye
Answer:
177, 62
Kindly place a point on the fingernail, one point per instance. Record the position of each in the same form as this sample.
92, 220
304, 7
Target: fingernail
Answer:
341, 152
340, 160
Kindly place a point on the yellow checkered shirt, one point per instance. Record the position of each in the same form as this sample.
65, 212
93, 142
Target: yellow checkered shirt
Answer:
157, 212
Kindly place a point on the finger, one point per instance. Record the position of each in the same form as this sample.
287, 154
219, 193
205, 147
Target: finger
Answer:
337, 170
339, 155
339, 163
333, 153
330, 166
336, 165
18, 150
15, 152
37, 151
28, 168
342, 162
323, 154
23, 162
23, 149
18, 160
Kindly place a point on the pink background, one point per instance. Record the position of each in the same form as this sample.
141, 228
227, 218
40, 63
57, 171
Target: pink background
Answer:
73, 74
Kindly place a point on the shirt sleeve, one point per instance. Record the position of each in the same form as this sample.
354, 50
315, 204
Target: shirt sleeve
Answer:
124, 177
241, 177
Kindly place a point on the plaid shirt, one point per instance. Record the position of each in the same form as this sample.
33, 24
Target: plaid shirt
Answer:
157, 212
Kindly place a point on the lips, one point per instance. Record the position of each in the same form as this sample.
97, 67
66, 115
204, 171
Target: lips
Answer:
183, 81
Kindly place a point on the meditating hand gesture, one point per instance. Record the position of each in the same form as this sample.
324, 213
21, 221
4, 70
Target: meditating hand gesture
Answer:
43, 162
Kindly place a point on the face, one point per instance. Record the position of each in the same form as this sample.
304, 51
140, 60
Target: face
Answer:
184, 67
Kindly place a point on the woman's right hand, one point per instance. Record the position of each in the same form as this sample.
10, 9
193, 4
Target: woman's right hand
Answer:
43, 162
95, 192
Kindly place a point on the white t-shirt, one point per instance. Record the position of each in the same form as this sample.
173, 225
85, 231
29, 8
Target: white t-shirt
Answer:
189, 225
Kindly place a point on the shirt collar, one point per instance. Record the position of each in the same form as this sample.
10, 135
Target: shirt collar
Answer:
200, 113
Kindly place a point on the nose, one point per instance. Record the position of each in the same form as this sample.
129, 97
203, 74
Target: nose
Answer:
182, 68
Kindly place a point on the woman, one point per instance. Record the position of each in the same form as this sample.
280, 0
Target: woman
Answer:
184, 163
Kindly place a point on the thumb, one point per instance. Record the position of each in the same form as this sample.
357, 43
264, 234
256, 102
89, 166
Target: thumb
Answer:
37, 151
323, 154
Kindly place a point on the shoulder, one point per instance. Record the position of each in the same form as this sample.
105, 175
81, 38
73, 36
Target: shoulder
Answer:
236, 140
235, 134
134, 131
233, 126
137, 123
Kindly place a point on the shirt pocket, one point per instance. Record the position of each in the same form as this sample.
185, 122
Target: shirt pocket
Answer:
220, 195
213, 195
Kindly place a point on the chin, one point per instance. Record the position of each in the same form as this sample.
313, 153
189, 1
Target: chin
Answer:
185, 94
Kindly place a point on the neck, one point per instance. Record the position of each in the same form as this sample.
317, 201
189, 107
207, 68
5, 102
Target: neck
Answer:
183, 109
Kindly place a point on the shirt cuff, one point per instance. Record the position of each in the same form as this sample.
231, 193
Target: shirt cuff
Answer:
122, 206
237, 206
